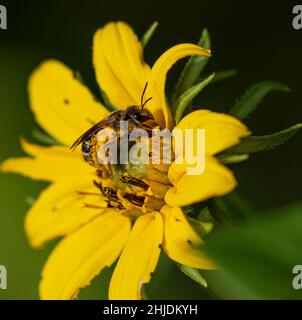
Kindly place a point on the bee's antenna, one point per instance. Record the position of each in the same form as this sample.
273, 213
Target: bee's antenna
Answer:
143, 94
146, 102
142, 97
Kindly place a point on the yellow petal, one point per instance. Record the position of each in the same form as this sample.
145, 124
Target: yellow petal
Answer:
118, 60
81, 256
48, 163
139, 258
216, 180
59, 210
158, 105
181, 241
62, 105
222, 131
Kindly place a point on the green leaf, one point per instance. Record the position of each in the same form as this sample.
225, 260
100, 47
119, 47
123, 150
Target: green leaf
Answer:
193, 67
201, 227
43, 137
200, 218
262, 143
149, 33
194, 274
232, 158
234, 207
223, 75
204, 214
187, 97
253, 96
230, 210
257, 260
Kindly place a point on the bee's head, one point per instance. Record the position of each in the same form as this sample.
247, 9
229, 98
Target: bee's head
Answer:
138, 115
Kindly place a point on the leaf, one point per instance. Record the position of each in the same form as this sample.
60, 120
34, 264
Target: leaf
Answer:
193, 67
43, 137
253, 96
230, 210
187, 97
223, 75
194, 274
230, 158
201, 227
236, 208
262, 143
204, 214
257, 260
149, 33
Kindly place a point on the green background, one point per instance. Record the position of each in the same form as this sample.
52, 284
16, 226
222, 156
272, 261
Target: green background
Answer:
256, 38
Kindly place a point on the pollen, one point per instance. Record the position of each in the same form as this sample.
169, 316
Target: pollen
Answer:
140, 188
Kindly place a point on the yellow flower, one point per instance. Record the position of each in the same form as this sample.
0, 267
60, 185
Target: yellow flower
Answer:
95, 238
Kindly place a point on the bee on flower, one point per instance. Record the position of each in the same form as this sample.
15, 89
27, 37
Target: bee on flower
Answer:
127, 213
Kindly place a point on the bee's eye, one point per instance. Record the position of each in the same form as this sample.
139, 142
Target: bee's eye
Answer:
136, 116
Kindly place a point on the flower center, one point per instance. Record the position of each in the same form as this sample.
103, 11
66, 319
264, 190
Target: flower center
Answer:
135, 187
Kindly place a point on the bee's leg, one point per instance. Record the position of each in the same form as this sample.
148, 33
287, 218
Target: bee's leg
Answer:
92, 206
98, 185
83, 193
134, 182
134, 199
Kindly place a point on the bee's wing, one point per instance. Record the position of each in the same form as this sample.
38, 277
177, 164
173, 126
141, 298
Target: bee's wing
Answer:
93, 130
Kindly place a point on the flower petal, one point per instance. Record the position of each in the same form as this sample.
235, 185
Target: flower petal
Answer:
48, 163
222, 131
216, 180
158, 105
81, 256
62, 105
181, 241
139, 258
118, 60
60, 210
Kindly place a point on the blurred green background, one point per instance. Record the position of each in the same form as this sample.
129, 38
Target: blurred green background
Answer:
255, 38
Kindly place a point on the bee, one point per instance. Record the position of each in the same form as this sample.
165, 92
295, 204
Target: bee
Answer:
123, 186
136, 116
